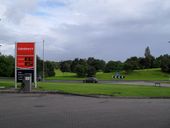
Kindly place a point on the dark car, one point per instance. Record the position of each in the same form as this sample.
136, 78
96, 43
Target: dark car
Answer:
90, 80
39, 78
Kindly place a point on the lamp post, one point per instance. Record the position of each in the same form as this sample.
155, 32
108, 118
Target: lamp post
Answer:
0, 48
0, 44
43, 63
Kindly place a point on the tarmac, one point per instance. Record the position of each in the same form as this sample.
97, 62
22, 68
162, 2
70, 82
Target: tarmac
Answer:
20, 110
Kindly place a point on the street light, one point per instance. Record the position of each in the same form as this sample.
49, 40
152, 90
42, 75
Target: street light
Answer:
0, 48
43, 63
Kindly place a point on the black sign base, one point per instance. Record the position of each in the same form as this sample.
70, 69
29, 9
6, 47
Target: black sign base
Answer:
20, 74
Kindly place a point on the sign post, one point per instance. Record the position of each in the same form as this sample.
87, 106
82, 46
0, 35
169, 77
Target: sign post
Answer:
25, 61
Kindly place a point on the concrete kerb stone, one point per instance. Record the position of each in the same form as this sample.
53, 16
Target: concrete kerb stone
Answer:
92, 96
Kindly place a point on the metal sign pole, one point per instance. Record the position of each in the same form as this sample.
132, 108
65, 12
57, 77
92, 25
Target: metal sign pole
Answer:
35, 66
15, 65
43, 62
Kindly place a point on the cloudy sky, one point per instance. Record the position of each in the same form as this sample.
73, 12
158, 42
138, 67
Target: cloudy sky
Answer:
104, 29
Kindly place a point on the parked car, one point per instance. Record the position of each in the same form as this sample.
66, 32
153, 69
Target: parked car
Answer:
90, 80
39, 78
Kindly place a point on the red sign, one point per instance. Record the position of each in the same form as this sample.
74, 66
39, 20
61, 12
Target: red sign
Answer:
25, 55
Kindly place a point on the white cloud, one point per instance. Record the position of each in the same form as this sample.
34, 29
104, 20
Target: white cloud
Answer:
106, 29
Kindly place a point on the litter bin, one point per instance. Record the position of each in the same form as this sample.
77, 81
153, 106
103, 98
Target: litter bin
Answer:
27, 82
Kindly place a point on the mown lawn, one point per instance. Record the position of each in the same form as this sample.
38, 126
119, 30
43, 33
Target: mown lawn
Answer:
146, 74
106, 89
99, 89
64, 76
6, 83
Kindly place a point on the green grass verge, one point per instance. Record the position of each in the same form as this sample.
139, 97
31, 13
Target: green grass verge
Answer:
106, 89
6, 83
99, 89
64, 76
146, 74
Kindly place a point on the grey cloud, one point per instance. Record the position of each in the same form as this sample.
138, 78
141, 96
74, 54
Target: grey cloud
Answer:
17, 9
115, 30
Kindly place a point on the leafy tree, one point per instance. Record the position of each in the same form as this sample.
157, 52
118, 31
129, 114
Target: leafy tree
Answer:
128, 67
141, 63
96, 63
81, 70
73, 65
134, 62
65, 66
147, 52
49, 69
165, 63
113, 66
149, 59
39, 66
91, 71
7, 66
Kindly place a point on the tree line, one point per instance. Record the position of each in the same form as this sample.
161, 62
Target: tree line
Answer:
7, 66
88, 67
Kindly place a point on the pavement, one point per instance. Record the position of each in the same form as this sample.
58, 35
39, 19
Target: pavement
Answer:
63, 111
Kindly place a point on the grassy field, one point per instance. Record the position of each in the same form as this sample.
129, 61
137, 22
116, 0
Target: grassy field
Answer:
106, 89
64, 76
147, 74
6, 83
99, 89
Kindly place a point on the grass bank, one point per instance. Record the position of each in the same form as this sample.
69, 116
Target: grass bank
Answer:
100, 89
6, 83
146, 74
106, 89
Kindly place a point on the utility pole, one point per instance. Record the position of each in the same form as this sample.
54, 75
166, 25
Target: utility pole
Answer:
43, 63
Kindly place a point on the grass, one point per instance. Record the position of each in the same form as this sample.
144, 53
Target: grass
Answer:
64, 76
6, 83
99, 89
146, 74
106, 89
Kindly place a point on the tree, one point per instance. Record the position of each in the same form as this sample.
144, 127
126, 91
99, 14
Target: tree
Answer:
39, 66
73, 65
65, 66
165, 63
91, 71
147, 52
99, 65
113, 66
128, 67
81, 70
149, 59
49, 70
134, 62
7, 66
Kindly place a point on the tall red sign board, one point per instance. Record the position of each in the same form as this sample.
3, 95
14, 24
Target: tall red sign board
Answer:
25, 59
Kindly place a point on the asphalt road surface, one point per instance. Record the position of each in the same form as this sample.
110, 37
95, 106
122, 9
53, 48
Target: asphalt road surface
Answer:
128, 82
64, 111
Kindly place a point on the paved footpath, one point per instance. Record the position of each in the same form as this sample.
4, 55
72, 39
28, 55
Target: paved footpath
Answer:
63, 111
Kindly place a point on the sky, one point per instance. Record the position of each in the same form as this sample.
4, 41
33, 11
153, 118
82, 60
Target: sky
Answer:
104, 29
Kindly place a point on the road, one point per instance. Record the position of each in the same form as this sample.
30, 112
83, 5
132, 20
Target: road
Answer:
63, 111
128, 82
